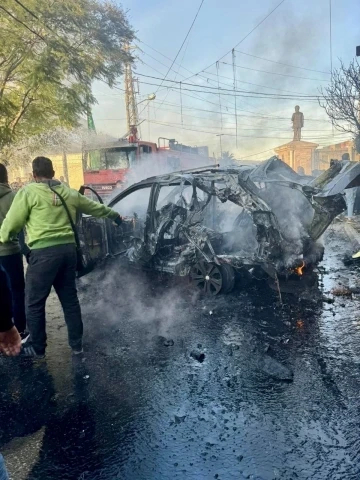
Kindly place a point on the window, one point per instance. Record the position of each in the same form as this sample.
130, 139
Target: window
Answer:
135, 204
115, 158
178, 194
145, 149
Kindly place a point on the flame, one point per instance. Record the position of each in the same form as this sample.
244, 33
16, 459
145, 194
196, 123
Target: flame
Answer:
299, 270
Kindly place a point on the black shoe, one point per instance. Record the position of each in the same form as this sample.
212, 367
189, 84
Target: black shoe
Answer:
77, 351
28, 351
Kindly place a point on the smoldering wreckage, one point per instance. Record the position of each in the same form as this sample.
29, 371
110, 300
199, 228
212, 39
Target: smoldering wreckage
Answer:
213, 223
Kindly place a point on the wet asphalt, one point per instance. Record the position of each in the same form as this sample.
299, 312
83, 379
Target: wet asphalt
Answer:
178, 386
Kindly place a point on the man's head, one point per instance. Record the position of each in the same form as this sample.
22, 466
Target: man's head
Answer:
345, 156
297, 108
3, 174
43, 168
62, 179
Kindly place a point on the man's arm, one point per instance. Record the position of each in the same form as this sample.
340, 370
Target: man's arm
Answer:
89, 207
16, 217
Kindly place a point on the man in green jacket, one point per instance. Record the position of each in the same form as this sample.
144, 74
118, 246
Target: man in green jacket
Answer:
52, 261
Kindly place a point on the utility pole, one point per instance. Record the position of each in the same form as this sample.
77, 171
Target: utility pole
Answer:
130, 102
234, 77
220, 135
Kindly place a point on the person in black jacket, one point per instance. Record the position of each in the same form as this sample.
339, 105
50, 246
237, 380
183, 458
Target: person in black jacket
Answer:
11, 258
10, 341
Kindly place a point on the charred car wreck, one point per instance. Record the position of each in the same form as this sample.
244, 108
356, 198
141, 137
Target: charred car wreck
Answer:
213, 222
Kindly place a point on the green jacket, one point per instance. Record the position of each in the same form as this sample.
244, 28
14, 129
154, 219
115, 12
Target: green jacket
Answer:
6, 199
41, 211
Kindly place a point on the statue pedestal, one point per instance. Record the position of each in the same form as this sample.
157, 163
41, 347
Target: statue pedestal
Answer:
298, 154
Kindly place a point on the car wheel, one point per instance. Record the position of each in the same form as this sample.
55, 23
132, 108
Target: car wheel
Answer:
213, 279
228, 276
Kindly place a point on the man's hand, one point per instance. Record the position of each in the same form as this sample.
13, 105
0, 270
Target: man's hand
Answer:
10, 342
118, 221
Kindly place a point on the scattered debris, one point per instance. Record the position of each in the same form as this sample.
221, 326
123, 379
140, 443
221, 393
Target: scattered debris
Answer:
197, 355
275, 369
341, 292
179, 419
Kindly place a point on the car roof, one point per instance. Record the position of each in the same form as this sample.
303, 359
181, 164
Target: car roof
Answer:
215, 169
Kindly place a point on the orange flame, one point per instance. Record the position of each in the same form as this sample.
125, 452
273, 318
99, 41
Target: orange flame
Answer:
299, 270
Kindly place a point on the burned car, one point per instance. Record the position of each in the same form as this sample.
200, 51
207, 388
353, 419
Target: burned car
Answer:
211, 223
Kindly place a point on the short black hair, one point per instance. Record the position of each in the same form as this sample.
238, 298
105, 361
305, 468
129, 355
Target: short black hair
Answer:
43, 167
345, 156
3, 174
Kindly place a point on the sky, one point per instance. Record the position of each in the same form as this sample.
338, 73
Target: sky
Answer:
296, 34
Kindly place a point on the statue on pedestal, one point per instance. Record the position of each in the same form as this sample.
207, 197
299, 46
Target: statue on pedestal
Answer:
298, 123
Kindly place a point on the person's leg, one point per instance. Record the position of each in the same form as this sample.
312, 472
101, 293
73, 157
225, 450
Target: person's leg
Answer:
350, 194
14, 267
43, 267
65, 287
3, 471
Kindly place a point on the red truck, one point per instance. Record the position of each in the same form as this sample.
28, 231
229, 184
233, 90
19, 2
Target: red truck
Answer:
109, 166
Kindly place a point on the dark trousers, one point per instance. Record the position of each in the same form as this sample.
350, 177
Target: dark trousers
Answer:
14, 268
52, 266
3, 472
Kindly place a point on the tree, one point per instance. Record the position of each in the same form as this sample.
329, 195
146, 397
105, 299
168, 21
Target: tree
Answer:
227, 158
50, 53
341, 100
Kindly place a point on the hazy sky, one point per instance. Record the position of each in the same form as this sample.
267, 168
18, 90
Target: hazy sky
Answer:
296, 34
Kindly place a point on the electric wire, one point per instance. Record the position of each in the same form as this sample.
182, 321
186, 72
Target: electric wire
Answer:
246, 36
22, 23
281, 63
183, 43
277, 73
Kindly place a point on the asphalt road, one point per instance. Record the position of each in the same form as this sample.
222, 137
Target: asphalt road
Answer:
176, 386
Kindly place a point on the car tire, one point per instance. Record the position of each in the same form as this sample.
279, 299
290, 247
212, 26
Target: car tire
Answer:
228, 277
213, 279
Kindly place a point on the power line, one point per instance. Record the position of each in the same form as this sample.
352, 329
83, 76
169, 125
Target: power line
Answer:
256, 84
259, 153
22, 23
281, 63
257, 96
255, 116
272, 129
27, 9
187, 95
178, 126
277, 95
184, 68
183, 43
246, 36
277, 73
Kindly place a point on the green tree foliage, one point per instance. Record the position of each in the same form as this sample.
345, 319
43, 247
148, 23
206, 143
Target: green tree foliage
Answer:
50, 53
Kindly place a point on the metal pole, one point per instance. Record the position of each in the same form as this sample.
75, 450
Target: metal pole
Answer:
234, 75
220, 135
